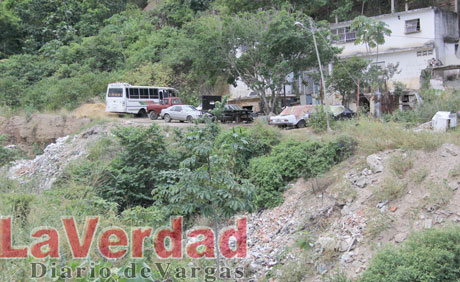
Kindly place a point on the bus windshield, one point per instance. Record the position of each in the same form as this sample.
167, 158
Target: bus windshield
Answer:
115, 92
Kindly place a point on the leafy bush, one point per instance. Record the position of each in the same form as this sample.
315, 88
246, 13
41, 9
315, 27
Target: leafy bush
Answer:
293, 159
238, 145
318, 120
264, 137
268, 180
432, 255
134, 173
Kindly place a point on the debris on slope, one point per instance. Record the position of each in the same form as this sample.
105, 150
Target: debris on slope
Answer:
350, 230
44, 169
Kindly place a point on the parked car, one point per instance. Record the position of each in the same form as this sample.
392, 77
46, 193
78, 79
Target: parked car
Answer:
154, 110
342, 112
236, 113
181, 113
293, 116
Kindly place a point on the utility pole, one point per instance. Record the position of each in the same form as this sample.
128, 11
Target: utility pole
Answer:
323, 83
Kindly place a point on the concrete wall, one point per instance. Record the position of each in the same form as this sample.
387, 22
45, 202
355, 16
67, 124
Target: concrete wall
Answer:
398, 39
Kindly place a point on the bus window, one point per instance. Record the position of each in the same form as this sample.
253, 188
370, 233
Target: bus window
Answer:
160, 94
134, 93
144, 93
165, 93
153, 93
115, 92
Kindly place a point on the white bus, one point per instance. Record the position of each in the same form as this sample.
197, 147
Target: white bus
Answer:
126, 98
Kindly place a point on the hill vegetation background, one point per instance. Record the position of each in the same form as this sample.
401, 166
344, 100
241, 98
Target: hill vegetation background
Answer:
58, 54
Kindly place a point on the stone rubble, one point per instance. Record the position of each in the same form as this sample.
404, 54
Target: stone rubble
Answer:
44, 169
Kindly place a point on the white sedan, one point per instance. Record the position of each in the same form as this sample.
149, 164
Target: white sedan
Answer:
181, 113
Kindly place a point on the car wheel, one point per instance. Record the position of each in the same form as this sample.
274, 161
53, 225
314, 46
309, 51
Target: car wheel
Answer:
167, 118
153, 115
189, 119
301, 124
142, 113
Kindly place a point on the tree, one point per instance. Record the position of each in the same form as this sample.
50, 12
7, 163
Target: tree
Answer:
204, 182
370, 32
345, 75
10, 33
264, 48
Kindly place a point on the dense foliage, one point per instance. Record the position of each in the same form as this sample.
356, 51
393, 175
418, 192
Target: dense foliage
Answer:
7, 155
432, 255
59, 54
293, 159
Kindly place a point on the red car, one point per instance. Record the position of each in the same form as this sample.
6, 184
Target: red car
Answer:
154, 110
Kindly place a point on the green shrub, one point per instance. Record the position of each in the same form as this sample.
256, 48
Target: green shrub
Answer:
19, 205
318, 120
269, 181
7, 155
132, 176
264, 137
293, 159
432, 255
236, 146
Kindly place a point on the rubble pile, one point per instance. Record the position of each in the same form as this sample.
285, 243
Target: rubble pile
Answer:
43, 170
271, 231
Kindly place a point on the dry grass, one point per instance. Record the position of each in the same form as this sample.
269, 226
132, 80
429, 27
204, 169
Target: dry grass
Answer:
440, 194
401, 163
391, 189
377, 222
344, 192
419, 175
374, 136
455, 172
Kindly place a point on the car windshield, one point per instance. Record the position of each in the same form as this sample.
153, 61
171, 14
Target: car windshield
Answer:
190, 108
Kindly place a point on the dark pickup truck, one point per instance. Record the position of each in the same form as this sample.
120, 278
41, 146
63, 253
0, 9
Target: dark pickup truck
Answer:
236, 113
154, 110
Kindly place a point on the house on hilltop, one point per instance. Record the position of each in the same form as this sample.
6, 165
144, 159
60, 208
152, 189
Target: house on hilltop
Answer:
422, 39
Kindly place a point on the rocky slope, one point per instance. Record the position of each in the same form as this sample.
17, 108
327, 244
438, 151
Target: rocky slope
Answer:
348, 215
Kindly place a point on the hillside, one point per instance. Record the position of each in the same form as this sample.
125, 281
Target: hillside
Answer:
375, 197
328, 225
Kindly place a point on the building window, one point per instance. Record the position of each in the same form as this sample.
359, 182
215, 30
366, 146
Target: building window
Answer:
344, 34
413, 26
424, 53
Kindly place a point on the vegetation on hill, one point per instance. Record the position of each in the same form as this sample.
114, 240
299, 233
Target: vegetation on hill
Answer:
59, 54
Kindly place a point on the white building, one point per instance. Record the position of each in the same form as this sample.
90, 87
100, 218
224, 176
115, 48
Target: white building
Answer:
419, 39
